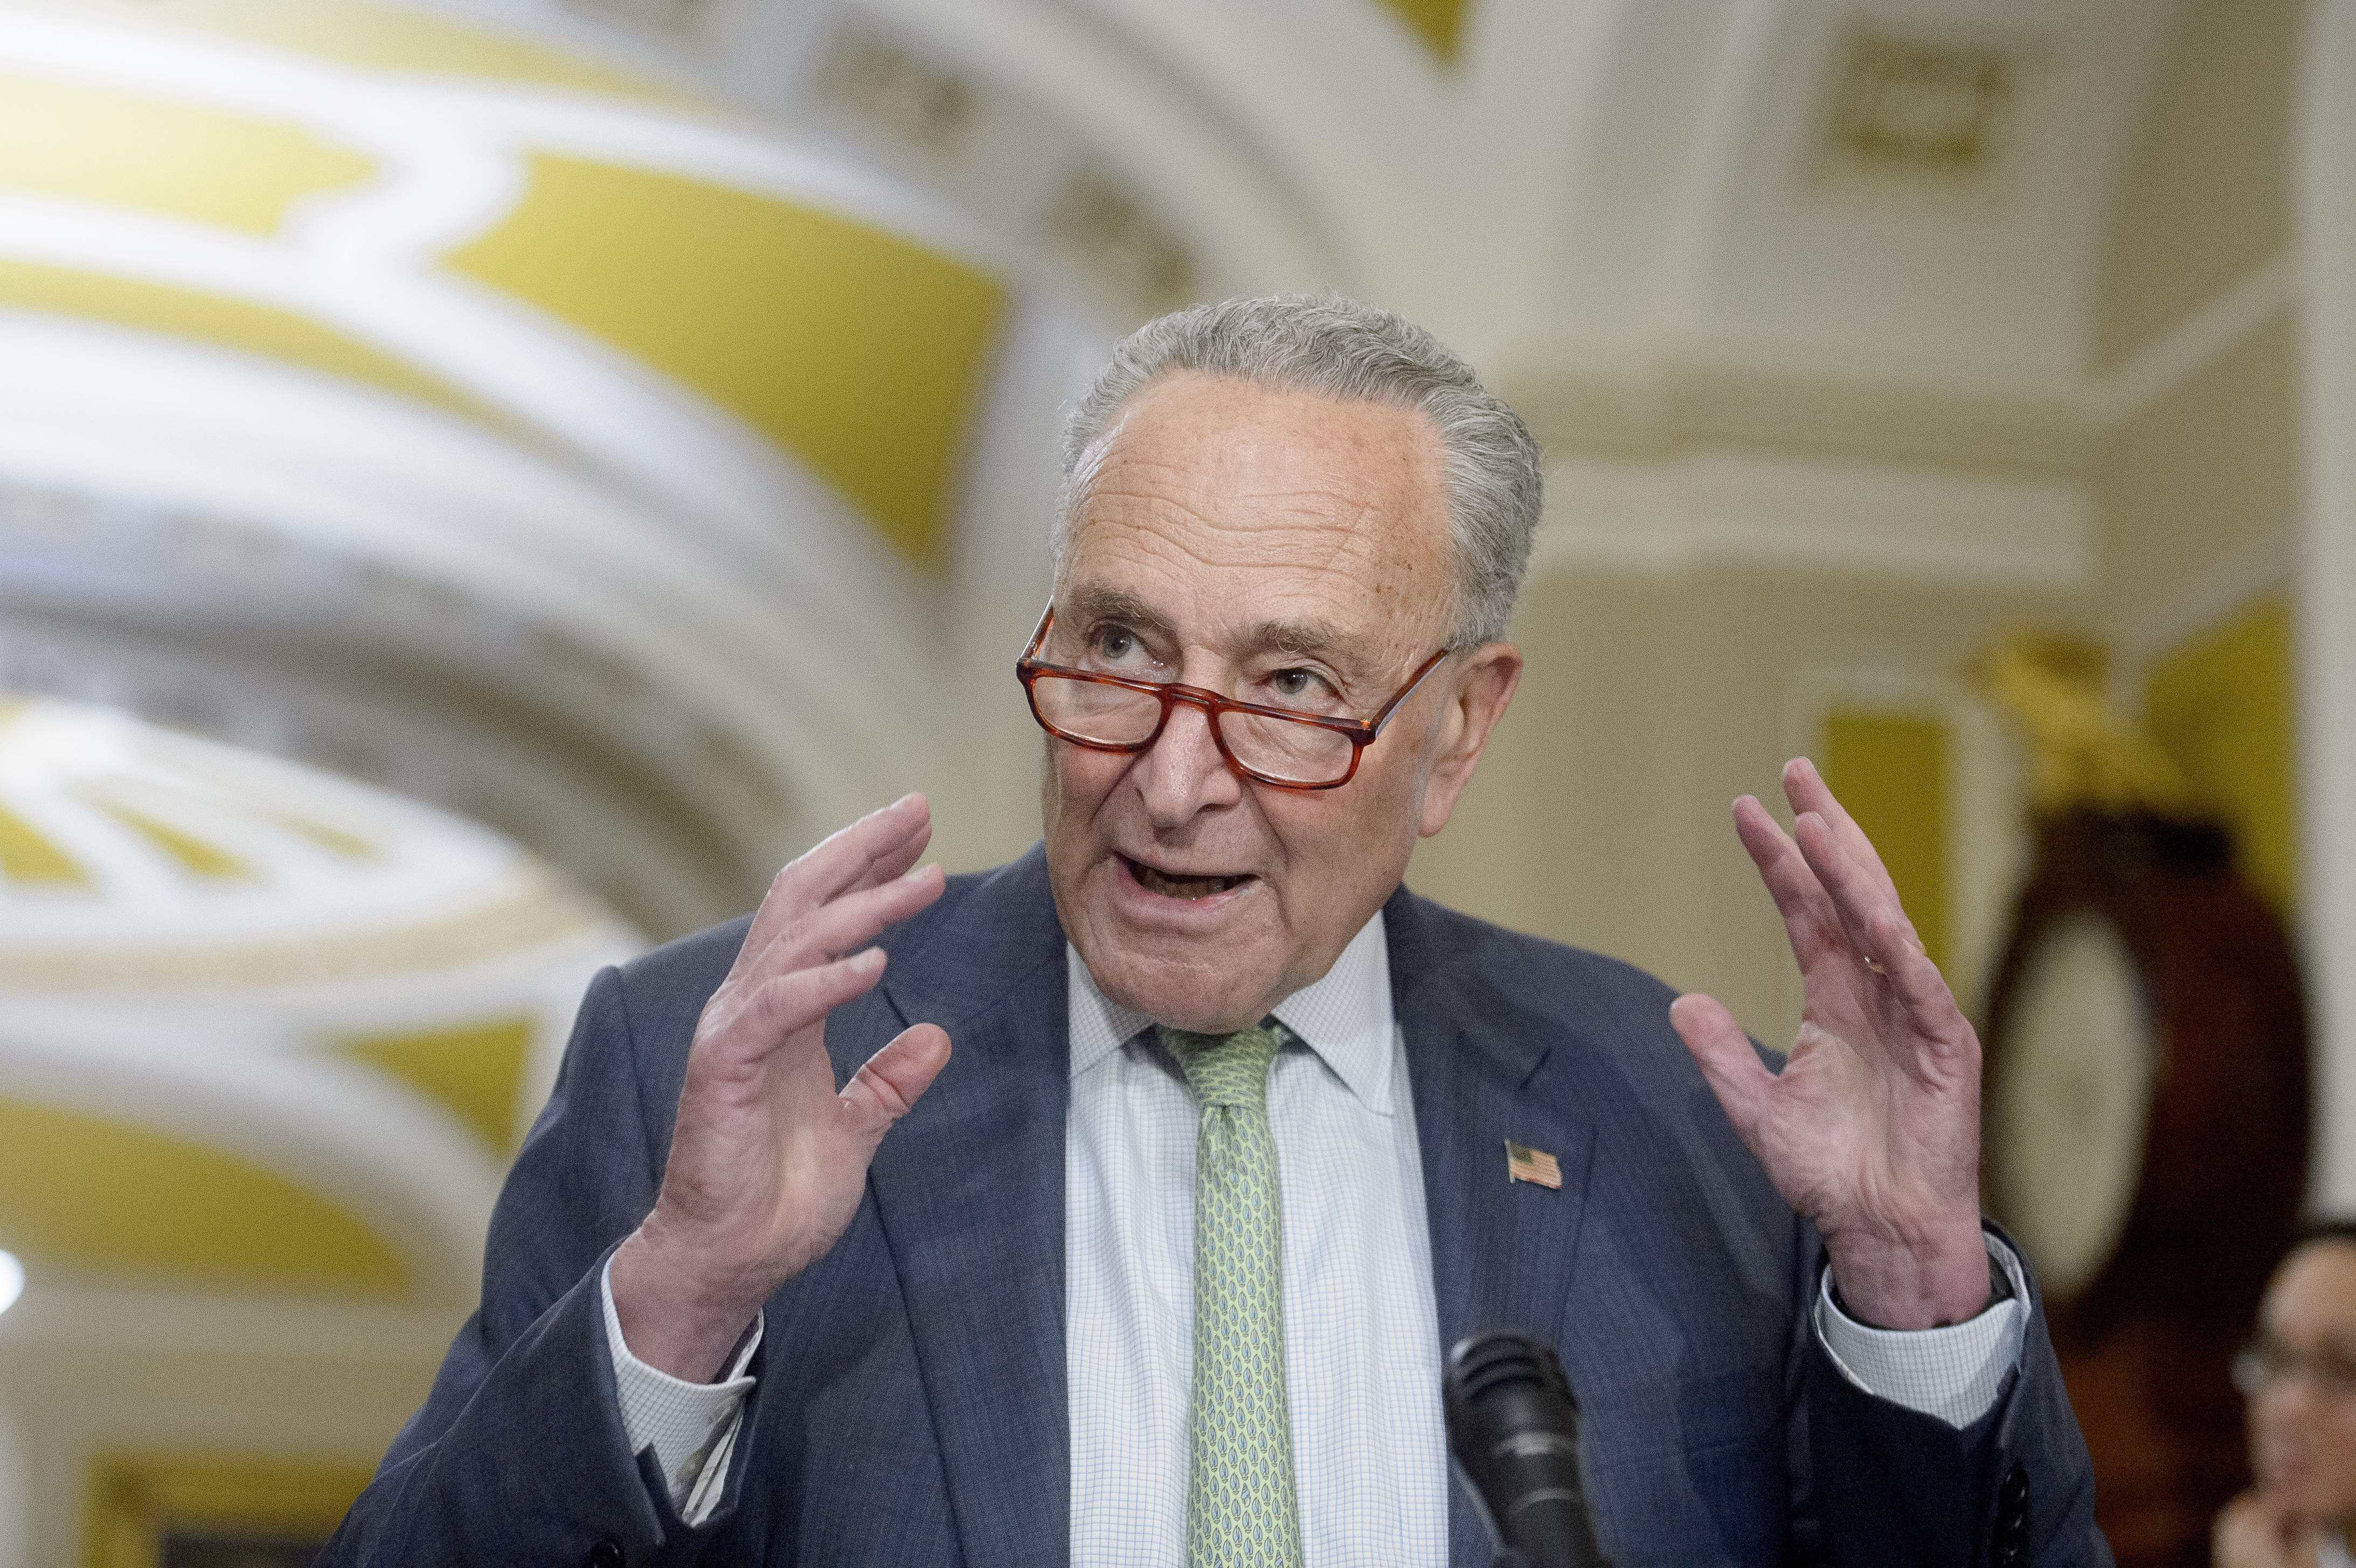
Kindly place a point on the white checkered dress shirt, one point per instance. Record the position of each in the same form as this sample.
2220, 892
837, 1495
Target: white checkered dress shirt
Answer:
1361, 1330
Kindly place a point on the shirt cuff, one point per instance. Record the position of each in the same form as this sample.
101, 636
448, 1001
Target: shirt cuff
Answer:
691, 1427
1954, 1374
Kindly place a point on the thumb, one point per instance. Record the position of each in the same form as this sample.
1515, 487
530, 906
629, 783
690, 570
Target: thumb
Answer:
1723, 1052
885, 1087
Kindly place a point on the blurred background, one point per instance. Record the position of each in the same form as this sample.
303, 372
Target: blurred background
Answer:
484, 481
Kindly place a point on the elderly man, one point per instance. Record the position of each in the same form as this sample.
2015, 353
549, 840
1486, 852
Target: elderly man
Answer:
1159, 1267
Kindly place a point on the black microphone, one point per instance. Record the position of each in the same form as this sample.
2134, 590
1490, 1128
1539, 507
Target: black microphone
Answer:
1513, 1428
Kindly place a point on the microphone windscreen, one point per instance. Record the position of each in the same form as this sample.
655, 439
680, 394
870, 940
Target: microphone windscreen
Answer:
1513, 1429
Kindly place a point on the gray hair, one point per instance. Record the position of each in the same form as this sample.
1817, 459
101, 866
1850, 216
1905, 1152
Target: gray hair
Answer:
1339, 349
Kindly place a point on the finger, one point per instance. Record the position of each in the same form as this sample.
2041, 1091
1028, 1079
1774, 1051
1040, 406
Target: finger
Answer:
895, 861
1806, 788
1723, 1052
846, 923
1810, 918
1918, 981
876, 848
1867, 904
786, 1005
1880, 937
887, 1083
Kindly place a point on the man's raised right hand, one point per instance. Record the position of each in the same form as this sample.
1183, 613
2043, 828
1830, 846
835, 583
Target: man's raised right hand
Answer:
768, 1160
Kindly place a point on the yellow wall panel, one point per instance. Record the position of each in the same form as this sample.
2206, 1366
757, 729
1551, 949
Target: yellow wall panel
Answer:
193, 854
1889, 771
857, 351
475, 1070
28, 855
94, 1198
202, 165
225, 323
1440, 24
2221, 706
136, 1499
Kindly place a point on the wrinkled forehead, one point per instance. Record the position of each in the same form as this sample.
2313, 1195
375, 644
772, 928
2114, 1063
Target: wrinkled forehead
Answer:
1307, 497
2313, 1296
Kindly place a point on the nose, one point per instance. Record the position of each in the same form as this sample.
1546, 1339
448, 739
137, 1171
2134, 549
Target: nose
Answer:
2291, 1395
1184, 774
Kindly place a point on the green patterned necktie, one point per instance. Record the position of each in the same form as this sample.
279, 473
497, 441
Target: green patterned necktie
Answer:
1241, 1508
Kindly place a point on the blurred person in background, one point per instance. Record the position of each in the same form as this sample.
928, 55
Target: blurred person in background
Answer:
2300, 1375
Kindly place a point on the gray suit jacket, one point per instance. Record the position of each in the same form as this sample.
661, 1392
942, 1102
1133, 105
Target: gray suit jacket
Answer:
911, 1401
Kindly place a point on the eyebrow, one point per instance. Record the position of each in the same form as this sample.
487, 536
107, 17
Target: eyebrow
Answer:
1094, 601
1315, 636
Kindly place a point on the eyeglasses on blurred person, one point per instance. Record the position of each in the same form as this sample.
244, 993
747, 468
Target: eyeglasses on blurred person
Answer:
2298, 1375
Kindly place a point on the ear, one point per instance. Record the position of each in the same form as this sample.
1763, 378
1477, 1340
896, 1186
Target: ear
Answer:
1476, 700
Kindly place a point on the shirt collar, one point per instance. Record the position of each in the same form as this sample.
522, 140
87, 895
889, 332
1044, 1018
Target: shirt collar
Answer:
1344, 1017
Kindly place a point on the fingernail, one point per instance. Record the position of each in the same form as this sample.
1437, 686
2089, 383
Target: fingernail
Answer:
919, 873
870, 960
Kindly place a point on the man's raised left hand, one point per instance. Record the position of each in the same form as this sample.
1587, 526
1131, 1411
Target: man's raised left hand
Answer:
1872, 1130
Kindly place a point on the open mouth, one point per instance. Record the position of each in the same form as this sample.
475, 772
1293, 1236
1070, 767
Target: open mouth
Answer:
1175, 887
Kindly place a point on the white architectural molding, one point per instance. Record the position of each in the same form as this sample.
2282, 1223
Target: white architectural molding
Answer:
1259, 229
1729, 508
1673, 397
2325, 189
62, 1319
2143, 634
118, 413
402, 1167
2251, 301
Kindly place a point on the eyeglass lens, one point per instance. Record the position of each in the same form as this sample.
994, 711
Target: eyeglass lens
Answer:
2259, 1366
1116, 716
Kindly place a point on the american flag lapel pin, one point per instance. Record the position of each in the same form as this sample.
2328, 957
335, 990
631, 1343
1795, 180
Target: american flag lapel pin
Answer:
1532, 1164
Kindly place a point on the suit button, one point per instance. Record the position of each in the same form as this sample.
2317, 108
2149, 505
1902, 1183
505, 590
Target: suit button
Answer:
606, 1553
2010, 1545
2013, 1496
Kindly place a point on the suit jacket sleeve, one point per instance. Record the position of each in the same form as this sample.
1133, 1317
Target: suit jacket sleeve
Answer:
519, 1453
1677, 1288
2017, 1486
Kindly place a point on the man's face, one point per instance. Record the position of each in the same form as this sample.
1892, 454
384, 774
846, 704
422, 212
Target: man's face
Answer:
2303, 1439
1278, 548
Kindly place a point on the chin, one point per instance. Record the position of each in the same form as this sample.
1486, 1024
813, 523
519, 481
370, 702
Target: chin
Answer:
2311, 1498
1183, 996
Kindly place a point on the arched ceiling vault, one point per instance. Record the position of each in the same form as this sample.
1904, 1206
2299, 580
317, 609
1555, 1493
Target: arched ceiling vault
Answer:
387, 329
1782, 234
1795, 230
265, 1030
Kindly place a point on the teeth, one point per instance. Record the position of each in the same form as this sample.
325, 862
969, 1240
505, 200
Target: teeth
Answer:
1181, 887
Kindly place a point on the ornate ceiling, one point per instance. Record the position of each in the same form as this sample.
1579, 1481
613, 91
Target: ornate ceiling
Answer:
625, 422
388, 352
262, 1027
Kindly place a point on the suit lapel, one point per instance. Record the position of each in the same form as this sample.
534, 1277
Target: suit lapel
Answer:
970, 1188
1503, 1252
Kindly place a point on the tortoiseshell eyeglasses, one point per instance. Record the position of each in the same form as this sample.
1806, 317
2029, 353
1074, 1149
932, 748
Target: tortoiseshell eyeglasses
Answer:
1271, 745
